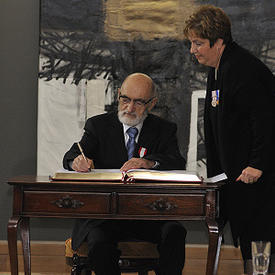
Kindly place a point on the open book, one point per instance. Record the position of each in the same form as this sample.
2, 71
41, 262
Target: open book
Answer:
129, 176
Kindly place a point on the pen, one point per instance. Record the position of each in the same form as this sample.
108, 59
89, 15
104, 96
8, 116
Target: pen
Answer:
82, 153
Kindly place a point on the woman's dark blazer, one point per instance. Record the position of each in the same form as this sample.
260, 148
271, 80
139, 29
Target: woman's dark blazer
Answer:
245, 136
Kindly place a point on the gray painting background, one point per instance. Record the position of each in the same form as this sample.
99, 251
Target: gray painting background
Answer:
73, 41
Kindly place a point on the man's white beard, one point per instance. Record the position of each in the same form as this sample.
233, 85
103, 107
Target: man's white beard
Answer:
131, 121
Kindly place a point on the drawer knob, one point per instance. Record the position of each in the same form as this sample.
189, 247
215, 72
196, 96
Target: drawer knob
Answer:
162, 205
67, 202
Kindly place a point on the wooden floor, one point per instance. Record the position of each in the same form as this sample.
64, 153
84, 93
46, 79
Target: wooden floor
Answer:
47, 259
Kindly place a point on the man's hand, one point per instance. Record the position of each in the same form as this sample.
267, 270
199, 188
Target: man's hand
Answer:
250, 175
81, 165
136, 163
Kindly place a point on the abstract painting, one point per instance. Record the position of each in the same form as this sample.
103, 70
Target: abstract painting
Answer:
87, 48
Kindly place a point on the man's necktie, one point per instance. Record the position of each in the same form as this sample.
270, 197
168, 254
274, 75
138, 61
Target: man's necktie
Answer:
132, 133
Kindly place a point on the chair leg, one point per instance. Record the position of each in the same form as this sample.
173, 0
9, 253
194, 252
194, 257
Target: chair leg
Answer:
76, 267
75, 271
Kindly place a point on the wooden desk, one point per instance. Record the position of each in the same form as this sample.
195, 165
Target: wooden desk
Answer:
39, 197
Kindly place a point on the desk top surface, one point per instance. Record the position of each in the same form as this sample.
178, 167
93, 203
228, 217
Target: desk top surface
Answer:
44, 180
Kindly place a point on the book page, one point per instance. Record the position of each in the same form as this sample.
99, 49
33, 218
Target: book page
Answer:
92, 171
94, 174
164, 175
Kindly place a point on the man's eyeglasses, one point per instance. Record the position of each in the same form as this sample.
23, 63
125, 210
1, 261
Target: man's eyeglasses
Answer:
137, 102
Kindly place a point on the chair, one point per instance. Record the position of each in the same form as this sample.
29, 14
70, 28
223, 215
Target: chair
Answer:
139, 257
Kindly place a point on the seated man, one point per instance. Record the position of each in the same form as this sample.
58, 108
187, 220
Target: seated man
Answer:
127, 139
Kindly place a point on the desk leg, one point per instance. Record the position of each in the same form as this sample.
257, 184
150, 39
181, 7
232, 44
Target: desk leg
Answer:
25, 238
215, 239
12, 243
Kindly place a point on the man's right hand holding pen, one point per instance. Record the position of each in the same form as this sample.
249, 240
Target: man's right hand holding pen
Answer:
81, 163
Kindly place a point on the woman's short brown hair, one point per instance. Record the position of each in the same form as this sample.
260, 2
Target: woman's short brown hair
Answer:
209, 22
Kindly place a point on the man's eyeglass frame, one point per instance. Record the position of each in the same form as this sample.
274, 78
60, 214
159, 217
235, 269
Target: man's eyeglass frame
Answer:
137, 102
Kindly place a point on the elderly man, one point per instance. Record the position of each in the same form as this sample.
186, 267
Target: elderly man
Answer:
128, 139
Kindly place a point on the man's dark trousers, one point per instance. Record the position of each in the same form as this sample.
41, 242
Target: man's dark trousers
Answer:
169, 235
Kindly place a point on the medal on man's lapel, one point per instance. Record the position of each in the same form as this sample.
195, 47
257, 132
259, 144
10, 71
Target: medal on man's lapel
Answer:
215, 98
142, 152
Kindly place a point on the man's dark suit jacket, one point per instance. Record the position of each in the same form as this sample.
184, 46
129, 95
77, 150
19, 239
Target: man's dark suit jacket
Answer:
104, 142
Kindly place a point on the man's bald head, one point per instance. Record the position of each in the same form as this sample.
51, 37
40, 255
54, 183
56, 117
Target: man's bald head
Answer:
142, 82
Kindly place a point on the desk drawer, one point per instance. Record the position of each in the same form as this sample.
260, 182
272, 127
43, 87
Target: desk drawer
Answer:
82, 203
174, 204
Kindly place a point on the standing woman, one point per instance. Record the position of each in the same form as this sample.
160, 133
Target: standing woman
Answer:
239, 125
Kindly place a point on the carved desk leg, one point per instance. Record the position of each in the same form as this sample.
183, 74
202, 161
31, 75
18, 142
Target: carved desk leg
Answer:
13, 224
215, 238
12, 242
25, 238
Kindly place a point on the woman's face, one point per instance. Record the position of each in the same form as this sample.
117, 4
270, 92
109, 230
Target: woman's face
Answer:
206, 55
